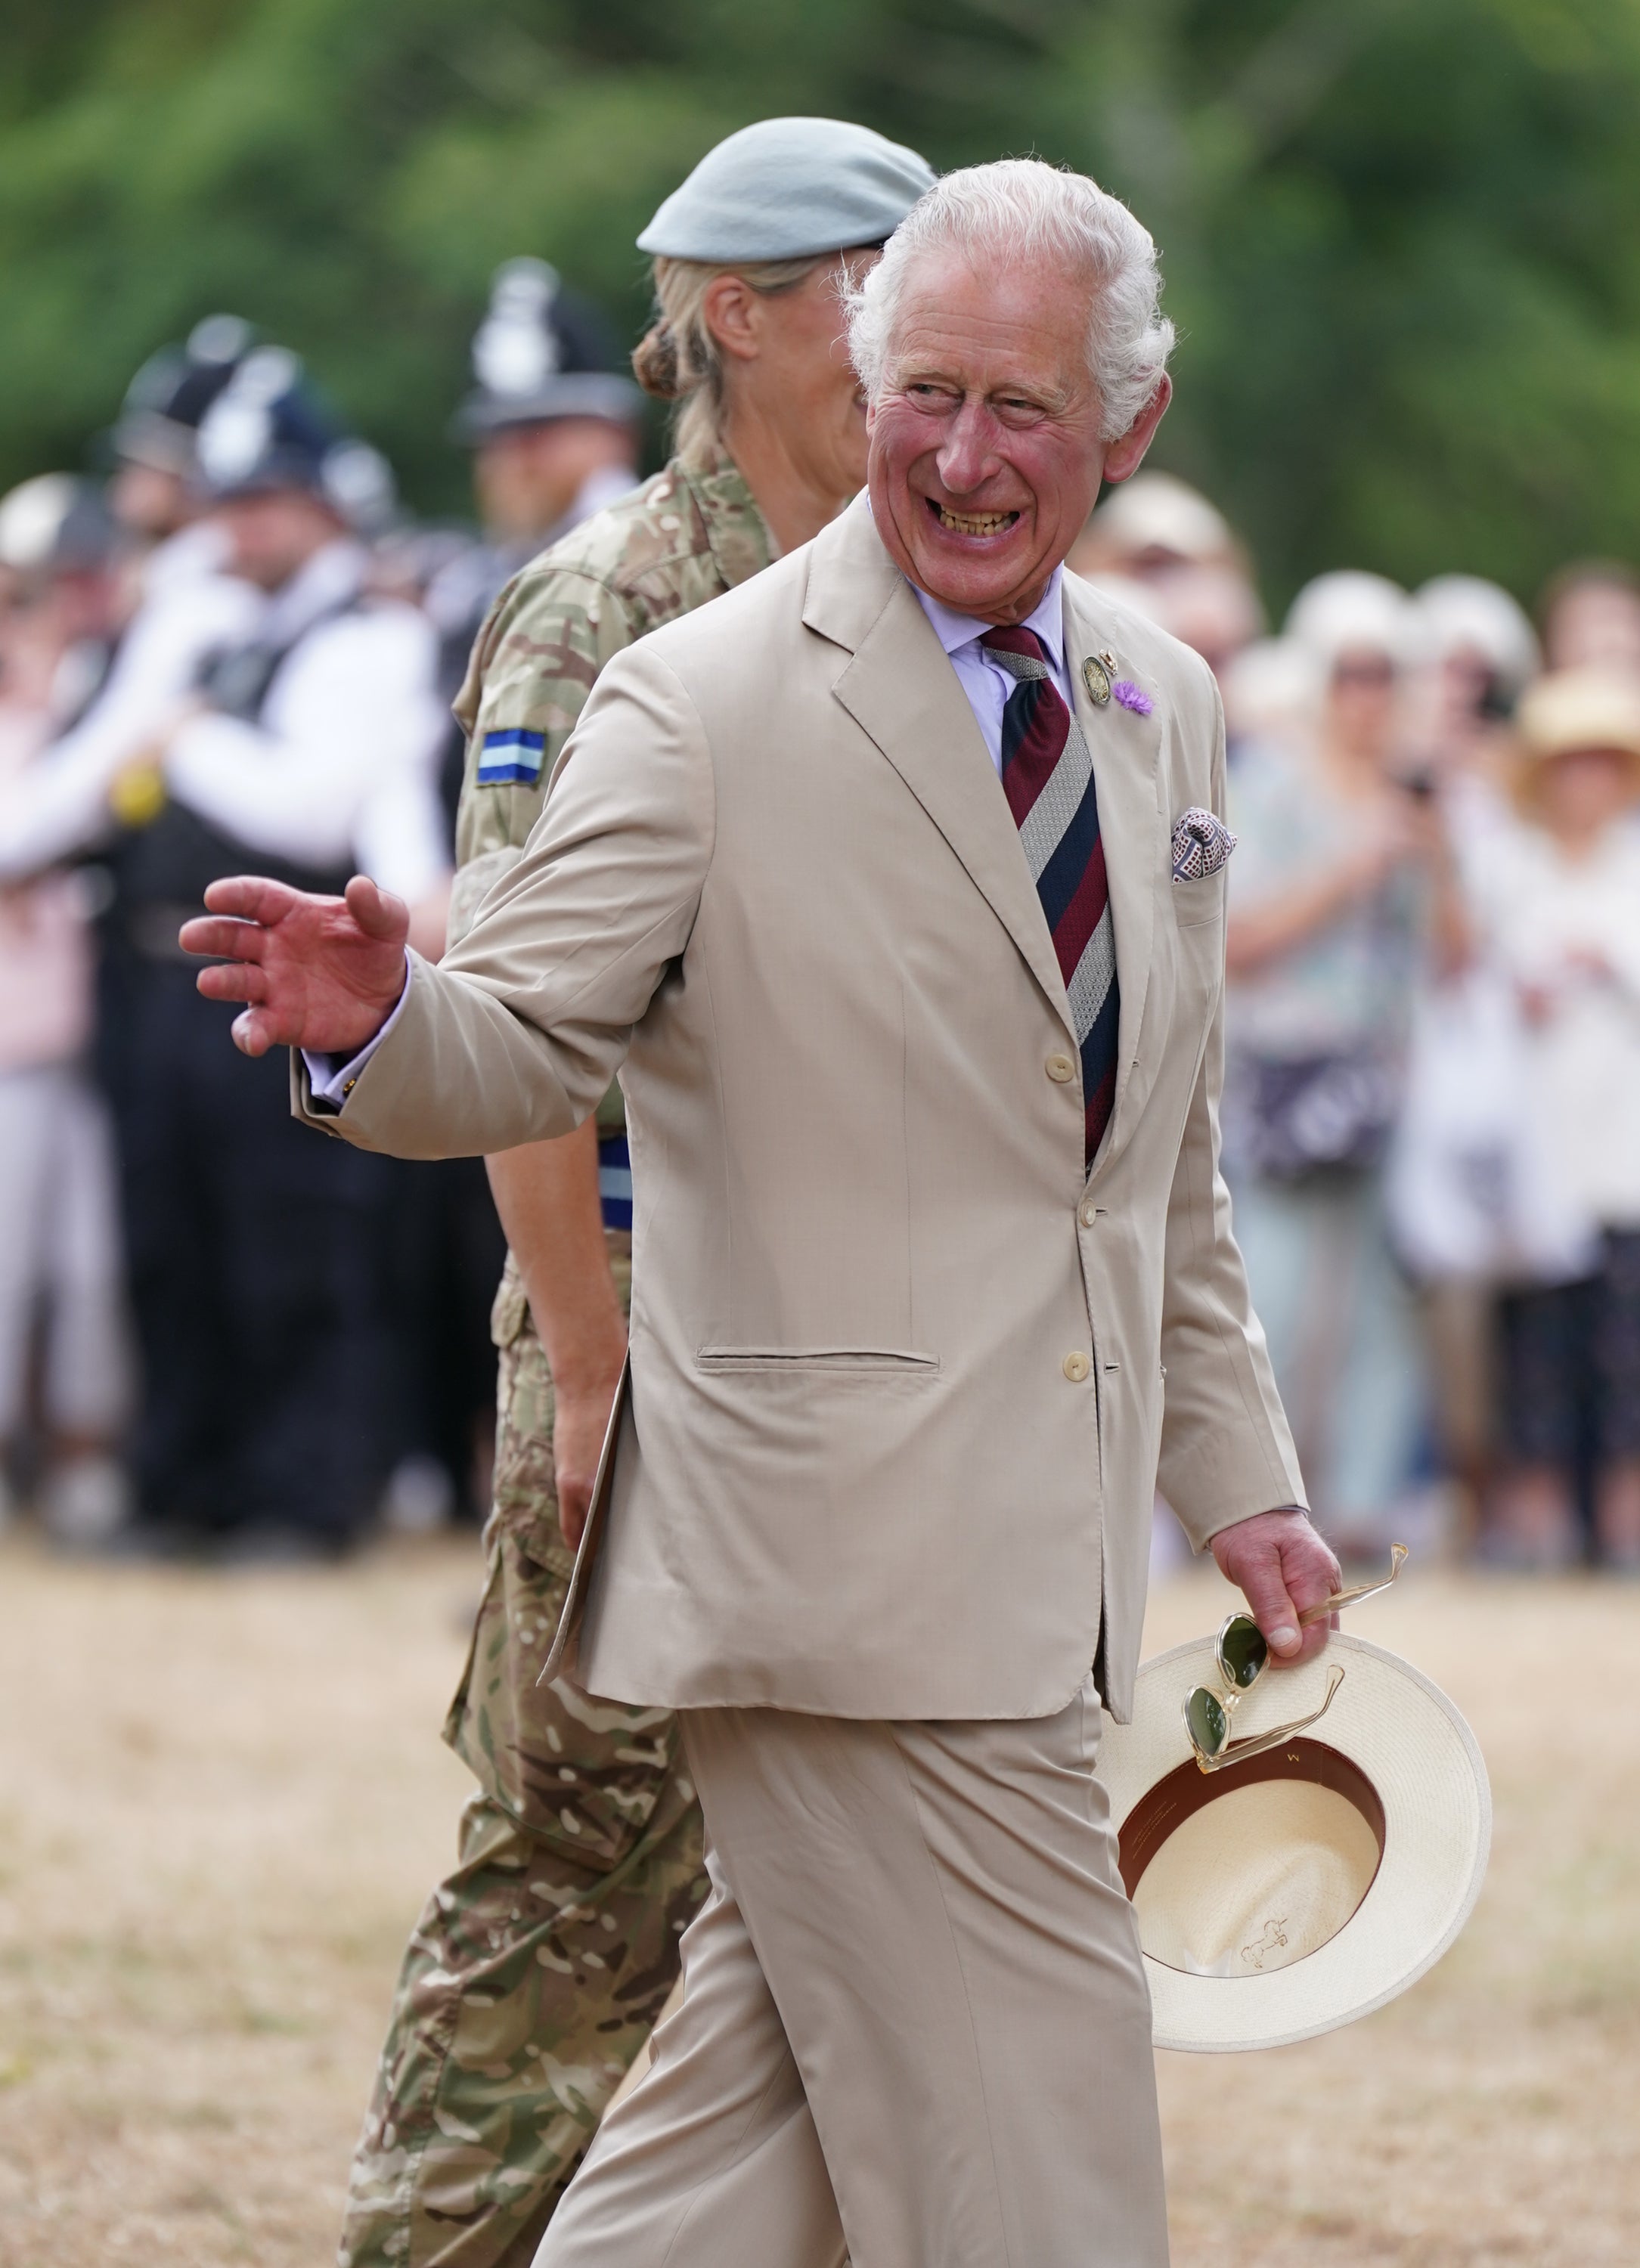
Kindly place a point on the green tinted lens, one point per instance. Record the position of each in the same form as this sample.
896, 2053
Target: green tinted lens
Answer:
1242, 1651
1209, 1727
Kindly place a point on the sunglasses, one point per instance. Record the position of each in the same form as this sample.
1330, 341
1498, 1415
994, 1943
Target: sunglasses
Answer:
1244, 1655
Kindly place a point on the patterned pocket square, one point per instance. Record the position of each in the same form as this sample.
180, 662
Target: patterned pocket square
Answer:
1201, 845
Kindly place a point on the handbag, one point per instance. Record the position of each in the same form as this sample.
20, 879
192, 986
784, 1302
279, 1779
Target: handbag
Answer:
1317, 1114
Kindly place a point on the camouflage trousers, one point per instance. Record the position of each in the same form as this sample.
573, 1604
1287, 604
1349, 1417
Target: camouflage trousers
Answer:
540, 1964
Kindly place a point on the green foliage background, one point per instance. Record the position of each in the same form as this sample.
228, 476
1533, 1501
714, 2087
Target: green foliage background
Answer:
1399, 235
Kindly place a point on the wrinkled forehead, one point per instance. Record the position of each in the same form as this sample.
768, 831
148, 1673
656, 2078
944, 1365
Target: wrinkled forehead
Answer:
978, 314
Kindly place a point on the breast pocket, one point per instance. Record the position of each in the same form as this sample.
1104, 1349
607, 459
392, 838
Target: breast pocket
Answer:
1199, 900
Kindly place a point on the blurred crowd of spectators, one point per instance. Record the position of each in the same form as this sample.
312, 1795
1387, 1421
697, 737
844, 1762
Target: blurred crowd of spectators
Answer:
229, 650
1431, 1116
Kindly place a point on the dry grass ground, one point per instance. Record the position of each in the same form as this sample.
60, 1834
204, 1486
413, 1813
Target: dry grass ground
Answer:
222, 1799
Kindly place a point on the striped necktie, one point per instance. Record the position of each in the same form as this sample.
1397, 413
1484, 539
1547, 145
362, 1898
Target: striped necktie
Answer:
1048, 777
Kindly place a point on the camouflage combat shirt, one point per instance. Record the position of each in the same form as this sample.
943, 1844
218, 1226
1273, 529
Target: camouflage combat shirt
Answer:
689, 535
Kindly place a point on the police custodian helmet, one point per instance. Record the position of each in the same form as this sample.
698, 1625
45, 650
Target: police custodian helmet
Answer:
159, 418
268, 429
542, 352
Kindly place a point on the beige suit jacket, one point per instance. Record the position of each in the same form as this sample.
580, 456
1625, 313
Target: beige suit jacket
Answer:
901, 1374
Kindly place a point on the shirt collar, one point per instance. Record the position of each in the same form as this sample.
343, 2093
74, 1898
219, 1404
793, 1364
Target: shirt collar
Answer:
955, 630
736, 534
334, 575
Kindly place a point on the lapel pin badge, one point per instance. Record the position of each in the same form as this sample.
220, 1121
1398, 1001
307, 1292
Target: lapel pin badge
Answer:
1096, 675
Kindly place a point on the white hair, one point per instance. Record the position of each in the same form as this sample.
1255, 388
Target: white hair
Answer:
1019, 208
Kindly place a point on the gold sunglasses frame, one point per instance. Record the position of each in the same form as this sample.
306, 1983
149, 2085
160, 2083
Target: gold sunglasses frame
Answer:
1237, 1752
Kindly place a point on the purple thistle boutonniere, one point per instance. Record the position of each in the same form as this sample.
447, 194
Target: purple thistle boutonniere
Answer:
1132, 696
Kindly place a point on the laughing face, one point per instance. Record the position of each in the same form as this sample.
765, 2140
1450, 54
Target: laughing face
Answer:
985, 451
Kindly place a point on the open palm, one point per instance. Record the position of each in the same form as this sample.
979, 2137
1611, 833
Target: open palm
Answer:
316, 972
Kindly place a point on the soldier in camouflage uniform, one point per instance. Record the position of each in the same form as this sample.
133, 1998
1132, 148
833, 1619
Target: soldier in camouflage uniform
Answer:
540, 1964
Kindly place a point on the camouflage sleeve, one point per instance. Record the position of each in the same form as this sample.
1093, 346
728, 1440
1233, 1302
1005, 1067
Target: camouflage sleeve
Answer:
534, 663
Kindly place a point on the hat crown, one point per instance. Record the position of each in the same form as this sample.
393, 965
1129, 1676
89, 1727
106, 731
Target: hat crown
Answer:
788, 187
179, 384
268, 427
54, 522
516, 348
263, 410
1571, 710
542, 352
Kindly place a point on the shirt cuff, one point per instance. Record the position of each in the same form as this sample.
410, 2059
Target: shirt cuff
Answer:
333, 1082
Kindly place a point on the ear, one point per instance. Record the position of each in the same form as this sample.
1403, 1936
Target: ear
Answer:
734, 315
1127, 452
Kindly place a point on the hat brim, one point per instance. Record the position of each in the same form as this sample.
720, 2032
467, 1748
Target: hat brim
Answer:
1393, 1728
1526, 781
603, 394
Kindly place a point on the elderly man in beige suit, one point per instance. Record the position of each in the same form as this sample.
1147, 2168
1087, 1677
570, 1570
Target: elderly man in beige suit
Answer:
890, 882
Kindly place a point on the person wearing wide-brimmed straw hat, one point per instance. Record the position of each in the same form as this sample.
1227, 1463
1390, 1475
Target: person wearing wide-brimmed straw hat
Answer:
1560, 911
542, 1962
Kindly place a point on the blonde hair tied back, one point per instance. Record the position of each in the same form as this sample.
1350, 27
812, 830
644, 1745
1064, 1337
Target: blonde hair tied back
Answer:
678, 360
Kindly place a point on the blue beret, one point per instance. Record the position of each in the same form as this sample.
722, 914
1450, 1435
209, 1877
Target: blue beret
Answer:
787, 186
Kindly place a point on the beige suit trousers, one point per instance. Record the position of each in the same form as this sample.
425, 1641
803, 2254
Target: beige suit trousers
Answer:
915, 2029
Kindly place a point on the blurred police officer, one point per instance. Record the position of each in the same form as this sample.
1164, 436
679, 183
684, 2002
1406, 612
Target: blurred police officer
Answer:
553, 423
553, 426
153, 492
307, 745
178, 604
541, 1963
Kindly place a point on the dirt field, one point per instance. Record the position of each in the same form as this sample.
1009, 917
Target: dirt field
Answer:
222, 1799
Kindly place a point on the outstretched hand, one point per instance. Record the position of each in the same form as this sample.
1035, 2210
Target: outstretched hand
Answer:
319, 973
1283, 1568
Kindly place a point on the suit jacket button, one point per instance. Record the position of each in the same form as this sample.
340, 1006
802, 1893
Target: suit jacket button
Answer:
1061, 1069
1076, 1366
1089, 1214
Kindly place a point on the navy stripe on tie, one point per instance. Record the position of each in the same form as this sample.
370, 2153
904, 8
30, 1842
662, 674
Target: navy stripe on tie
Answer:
1057, 884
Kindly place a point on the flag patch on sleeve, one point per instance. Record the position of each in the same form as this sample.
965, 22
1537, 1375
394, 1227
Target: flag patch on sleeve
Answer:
511, 758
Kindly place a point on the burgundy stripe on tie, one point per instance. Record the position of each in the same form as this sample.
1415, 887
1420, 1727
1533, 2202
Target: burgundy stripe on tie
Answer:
1048, 777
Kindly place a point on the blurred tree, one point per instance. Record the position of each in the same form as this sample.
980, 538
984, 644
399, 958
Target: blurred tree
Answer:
1395, 234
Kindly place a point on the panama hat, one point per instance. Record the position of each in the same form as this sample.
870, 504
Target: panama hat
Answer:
1286, 1894
1571, 710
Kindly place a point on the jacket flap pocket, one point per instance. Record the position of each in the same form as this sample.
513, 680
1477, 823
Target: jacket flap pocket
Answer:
840, 1362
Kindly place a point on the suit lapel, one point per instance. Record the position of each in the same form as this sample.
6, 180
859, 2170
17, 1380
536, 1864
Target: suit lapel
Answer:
1127, 750
901, 690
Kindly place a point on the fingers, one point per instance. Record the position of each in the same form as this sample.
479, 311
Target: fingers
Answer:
1309, 1568
221, 939
232, 980
377, 911
252, 897
1267, 1593
255, 1032
572, 1512
1310, 1573
1283, 1567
